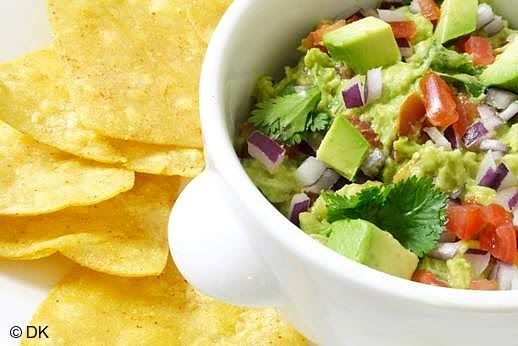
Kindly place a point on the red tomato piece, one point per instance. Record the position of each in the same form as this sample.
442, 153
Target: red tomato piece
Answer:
465, 221
441, 108
496, 215
406, 29
411, 115
314, 39
500, 242
426, 277
429, 9
467, 113
481, 50
366, 130
484, 285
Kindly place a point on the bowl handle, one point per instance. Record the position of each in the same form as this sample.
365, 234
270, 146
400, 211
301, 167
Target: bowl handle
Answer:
209, 246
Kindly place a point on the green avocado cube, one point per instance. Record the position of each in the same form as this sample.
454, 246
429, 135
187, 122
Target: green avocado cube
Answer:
343, 148
363, 242
364, 44
458, 18
504, 71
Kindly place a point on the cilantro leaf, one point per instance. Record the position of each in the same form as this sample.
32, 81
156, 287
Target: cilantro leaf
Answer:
318, 122
412, 210
288, 118
471, 83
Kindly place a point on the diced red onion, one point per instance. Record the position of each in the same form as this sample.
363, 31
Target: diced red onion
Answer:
447, 237
265, 150
486, 172
299, 204
452, 137
504, 274
479, 262
309, 171
437, 137
475, 134
493, 144
484, 15
354, 94
405, 47
495, 26
501, 172
489, 118
508, 198
510, 112
414, 7
500, 99
373, 85
391, 16
307, 149
445, 251
374, 163
326, 181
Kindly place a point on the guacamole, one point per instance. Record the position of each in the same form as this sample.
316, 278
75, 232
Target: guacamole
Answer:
394, 141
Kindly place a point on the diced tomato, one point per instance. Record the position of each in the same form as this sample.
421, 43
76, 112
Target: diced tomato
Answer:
483, 284
441, 108
355, 17
500, 242
429, 9
426, 277
481, 50
314, 39
411, 115
366, 130
496, 215
467, 113
459, 45
465, 221
406, 29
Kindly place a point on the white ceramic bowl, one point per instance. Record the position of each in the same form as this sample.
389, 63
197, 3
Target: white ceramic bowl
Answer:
232, 244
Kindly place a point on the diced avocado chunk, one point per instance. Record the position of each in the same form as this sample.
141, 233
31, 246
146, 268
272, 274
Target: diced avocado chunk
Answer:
363, 242
343, 148
504, 71
363, 45
458, 18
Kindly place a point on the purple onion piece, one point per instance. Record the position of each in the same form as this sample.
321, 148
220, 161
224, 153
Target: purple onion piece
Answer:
437, 138
452, 137
299, 204
510, 112
373, 85
484, 15
265, 150
307, 149
328, 179
495, 26
415, 7
493, 144
391, 16
447, 237
507, 198
504, 274
509, 181
474, 135
445, 251
479, 262
405, 47
500, 99
353, 95
489, 118
387, 4
487, 169
310, 171
500, 174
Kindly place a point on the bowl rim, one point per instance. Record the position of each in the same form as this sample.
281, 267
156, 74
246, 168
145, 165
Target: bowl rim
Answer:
222, 158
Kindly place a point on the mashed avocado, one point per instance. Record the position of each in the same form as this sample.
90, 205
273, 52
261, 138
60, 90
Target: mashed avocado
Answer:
451, 169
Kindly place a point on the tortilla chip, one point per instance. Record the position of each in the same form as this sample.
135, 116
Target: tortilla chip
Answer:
37, 179
90, 308
125, 236
135, 67
34, 99
204, 16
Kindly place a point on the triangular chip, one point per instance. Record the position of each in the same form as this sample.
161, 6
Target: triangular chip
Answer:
90, 308
204, 16
37, 179
34, 99
135, 67
125, 236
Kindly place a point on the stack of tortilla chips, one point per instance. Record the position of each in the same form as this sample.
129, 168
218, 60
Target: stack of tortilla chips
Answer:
97, 135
